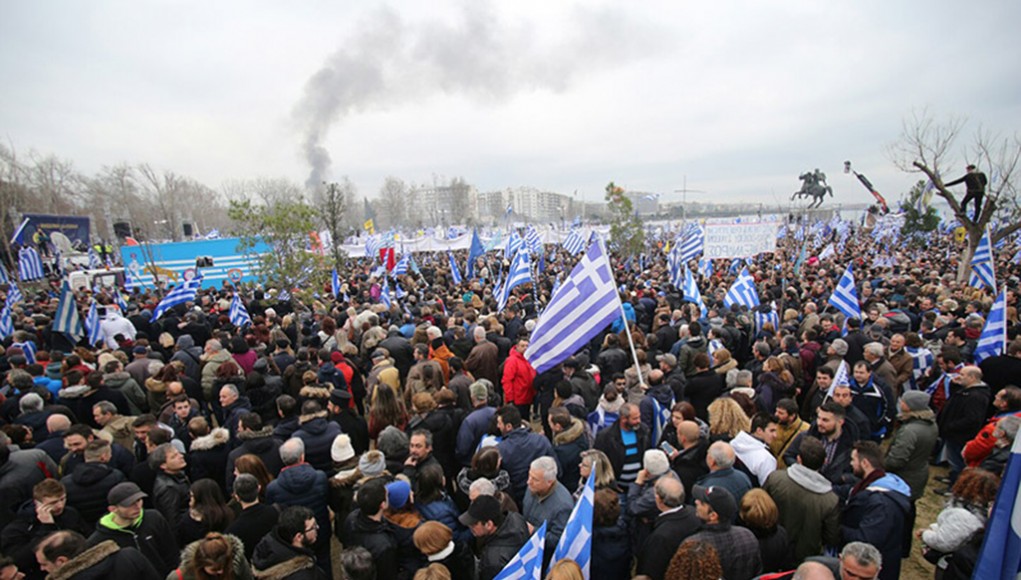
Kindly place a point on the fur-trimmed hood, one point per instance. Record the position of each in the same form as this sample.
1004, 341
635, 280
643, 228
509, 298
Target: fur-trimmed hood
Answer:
239, 562
85, 560
314, 392
263, 433
923, 415
285, 569
302, 419
571, 434
216, 437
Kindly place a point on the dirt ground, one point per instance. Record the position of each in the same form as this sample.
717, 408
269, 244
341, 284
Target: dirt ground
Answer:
915, 567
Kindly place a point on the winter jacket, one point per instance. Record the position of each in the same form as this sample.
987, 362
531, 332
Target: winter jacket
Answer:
444, 511
976, 450
755, 456
379, 538
612, 361
605, 414
686, 356
964, 413
318, 434
809, 509
212, 364
518, 376
207, 455
261, 443
703, 388
663, 395
785, 435
497, 549
668, 531
170, 494
106, 561
877, 515
190, 356
875, 400
239, 562
770, 389
585, 385
610, 442
474, 426
774, 549
150, 534
483, 362
837, 467
912, 444
741, 558
87, 487
20, 537
275, 559
123, 382
568, 446
18, 476
302, 484
954, 526
518, 449
730, 479
232, 416
121, 431
611, 551
252, 524
356, 427
553, 509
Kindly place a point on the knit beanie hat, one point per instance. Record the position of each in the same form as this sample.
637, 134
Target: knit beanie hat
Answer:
372, 463
342, 449
397, 493
916, 400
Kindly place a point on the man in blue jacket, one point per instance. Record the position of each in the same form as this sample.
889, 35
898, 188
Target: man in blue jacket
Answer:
519, 447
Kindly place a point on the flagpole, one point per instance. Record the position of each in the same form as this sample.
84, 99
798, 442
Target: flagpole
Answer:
631, 342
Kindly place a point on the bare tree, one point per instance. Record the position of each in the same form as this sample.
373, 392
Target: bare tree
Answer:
393, 202
926, 146
334, 204
55, 183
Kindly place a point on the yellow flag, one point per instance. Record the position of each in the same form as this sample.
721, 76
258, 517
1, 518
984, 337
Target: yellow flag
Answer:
959, 234
369, 226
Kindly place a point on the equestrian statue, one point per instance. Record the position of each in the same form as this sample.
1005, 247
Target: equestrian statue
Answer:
813, 184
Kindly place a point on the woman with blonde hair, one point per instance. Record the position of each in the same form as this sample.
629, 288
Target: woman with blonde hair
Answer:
759, 514
722, 361
726, 419
605, 477
565, 570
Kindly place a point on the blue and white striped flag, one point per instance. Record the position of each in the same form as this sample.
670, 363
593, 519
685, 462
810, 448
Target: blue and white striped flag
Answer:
334, 285
922, 360
845, 296
993, 340
401, 268
735, 266
576, 540
399, 292
118, 298
66, 319
841, 378
693, 243
983, 272
14, 295
574, 243
284, 295
532, 240
514, 243
705, 267
828, 252
771, 316
238, 314
186, 292
742, 291
384, 296
92, 325
455, 272
1000, 557
30, 265
94, 261
28, 348
520, 272
527, 563
6, 323
556, 288
584, 305
691, 292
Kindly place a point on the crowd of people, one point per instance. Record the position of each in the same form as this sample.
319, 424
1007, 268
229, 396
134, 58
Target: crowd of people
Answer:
345, 438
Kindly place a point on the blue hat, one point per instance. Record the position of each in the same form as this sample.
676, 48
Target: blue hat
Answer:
397, 494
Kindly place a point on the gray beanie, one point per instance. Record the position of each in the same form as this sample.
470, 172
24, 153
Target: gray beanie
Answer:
655, 462
916, 400
372, 463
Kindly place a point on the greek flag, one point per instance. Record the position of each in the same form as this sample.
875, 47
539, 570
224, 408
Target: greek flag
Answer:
533, 240
514, 243
993, 340
842, 378
574, 243
982, 267
284, 295
384, 296
674, 265
576, 541
742, 291
556, 288
179, 295
693, 244
14, 295
1015, 260
828, 252
28, 348
705, 267
6, 323
475, 251
583, 306
16, 238
94, 262
119, 299
334, 285
1000, 557
66, 318
92, 325
520, 273
30, 265
455, 272
402, 266
767, 313
527, 563
691, 293
510, 208
845, 296
399, 292
922, 360
735, 266
238, 313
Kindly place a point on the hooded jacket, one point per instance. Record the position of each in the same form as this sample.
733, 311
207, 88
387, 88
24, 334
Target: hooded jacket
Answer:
837, 466
964, 413
301, 484
755, 456
87, 487
809, 509
686, 355
275, 559
106, 561
877, 515
908, 455
318, 434
239, 563
518, 376
121, 431
189, 355
150, 534
207, 455
208, 379
568, 446
123, 382
261, 443
518, 448
662, 394
498, 549
379, 538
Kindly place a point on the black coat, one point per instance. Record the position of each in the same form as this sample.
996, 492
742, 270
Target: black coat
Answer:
611, 551
355, 427
87, 487
152, 536
20, 537
318, 434
1000, 371
668, 531
108, 561
498, 549
964, 414
878, 517
379, 538
261, 443
702, 389
294, 563
252, 524
609, 441
207, 456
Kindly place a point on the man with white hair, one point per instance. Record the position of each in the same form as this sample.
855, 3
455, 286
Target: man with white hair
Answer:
720, 460
547, 500
875, 355
483, 361
213, 357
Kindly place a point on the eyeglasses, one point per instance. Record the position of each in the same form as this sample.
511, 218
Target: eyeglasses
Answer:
315, 528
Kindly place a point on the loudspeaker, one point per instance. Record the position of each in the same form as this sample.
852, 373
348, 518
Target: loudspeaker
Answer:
122, 229
204, 262
189, 230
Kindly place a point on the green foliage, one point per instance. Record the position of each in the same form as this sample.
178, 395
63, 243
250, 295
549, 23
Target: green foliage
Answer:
284, 225
918, 223
627, 237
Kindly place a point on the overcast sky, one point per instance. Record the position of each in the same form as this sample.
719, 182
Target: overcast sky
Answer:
736, 97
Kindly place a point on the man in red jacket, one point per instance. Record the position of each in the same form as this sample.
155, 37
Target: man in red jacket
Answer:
518, 375
1007, 402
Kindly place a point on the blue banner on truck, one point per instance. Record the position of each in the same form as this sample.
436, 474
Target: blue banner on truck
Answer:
175, 261
74, 227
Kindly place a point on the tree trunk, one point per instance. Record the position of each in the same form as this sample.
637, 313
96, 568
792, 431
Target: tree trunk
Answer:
974, 235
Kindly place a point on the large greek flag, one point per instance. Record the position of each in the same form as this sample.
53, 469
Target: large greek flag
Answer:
983, 272
922, 360
238, 314
455, 272
767, 313
30, 265
179, 295
574, 243
14, 295
583, 306
66, 319
693, 243
993, 340
1000, 558
576, 541
384, 296
520, 273
742, 291
527, 563
402, 266
845, 296
92, 325
6, 323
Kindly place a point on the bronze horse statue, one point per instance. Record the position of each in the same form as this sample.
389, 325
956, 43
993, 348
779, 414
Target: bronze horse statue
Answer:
813, 184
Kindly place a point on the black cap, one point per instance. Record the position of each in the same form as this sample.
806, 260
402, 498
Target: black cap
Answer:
125, 494
485, 508
340, 397
719, 499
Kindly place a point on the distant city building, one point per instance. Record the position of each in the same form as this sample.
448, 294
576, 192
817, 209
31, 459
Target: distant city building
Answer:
528, 204
645, 202
432, 205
